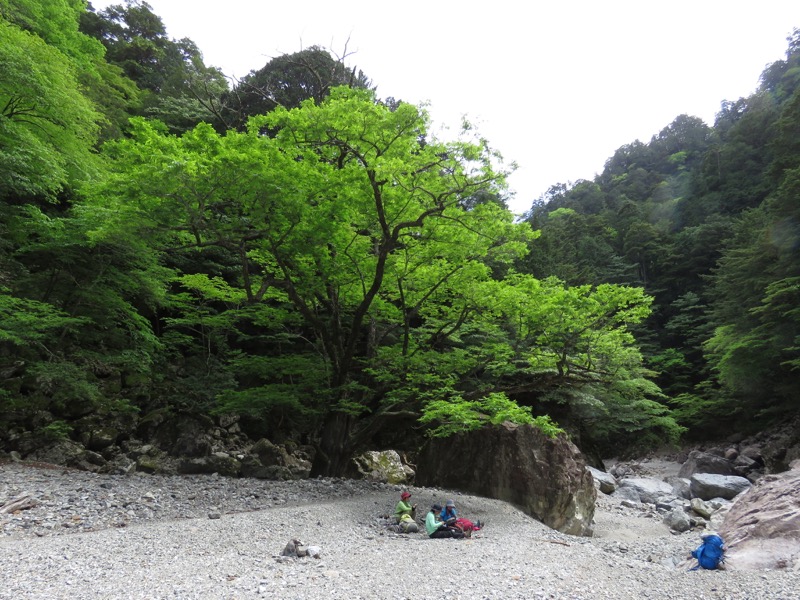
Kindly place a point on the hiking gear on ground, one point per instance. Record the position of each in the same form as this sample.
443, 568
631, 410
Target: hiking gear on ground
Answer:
710, 553
408, 526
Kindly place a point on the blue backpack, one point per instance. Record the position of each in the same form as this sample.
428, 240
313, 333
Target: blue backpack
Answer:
710, 553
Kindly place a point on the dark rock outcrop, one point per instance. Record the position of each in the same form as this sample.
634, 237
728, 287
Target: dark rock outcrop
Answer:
705, 462
272, 455
762, 528
219, 463
547, 478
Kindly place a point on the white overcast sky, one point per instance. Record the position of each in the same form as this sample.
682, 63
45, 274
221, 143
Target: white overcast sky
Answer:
556, 86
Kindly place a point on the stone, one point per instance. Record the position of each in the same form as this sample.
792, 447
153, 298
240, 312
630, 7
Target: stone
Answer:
291, 548
183, 434
252, 467
744, 465
219, 462
545, 477
228, 420
708, 486
63, 452
650, 491
753, 452
102, 438
680, 487
385, 466
762, 527
701, 508
677, 520
273, 455
627, 494
605, 482
158, 463
704, 462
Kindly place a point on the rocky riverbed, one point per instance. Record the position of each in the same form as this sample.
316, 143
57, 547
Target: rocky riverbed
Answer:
146, 536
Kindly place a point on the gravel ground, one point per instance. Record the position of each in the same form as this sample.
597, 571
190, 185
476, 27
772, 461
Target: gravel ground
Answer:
102, 536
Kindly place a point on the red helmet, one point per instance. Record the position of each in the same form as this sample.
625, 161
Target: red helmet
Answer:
405, 496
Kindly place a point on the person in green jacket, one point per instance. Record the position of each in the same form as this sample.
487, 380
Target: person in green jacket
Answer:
436, 528
405, 514
404, 507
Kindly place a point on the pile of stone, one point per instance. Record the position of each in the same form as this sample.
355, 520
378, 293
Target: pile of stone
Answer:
697, 497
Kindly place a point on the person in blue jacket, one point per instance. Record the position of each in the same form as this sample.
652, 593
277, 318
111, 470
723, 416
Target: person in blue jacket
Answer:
451, 519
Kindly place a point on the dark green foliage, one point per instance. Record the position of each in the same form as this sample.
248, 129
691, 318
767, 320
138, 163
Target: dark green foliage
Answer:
708, 218
345, 277
175, 85
287, 81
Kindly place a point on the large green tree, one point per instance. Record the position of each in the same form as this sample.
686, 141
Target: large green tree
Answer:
356, 286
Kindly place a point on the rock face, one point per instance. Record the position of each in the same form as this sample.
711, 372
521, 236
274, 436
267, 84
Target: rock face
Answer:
547, 478
762, 528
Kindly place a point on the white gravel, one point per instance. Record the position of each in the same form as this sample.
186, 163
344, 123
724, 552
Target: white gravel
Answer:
150, 537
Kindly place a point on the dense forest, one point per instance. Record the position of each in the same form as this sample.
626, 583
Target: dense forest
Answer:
294, 249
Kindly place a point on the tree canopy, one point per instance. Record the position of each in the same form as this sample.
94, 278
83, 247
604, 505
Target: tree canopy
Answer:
299, 251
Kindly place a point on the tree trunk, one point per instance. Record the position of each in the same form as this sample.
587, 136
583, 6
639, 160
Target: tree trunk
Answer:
335, 447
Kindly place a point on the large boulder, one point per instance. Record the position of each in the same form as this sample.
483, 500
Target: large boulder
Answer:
708, 486
704, 462
680, 487
678, 520
603, 481
385, 466
644, 489
547, 478
762, 528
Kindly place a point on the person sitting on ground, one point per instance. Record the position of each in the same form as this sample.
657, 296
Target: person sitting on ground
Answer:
405, 514
404, 507
451, 519
437, 528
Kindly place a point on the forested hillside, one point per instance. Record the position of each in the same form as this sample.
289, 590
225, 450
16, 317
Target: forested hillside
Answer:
292, 248
707, 220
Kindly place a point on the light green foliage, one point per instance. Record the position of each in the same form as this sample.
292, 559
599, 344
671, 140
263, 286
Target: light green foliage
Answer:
574, 330
47, 126
24, 322
57, 430
56, 23
458, 415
